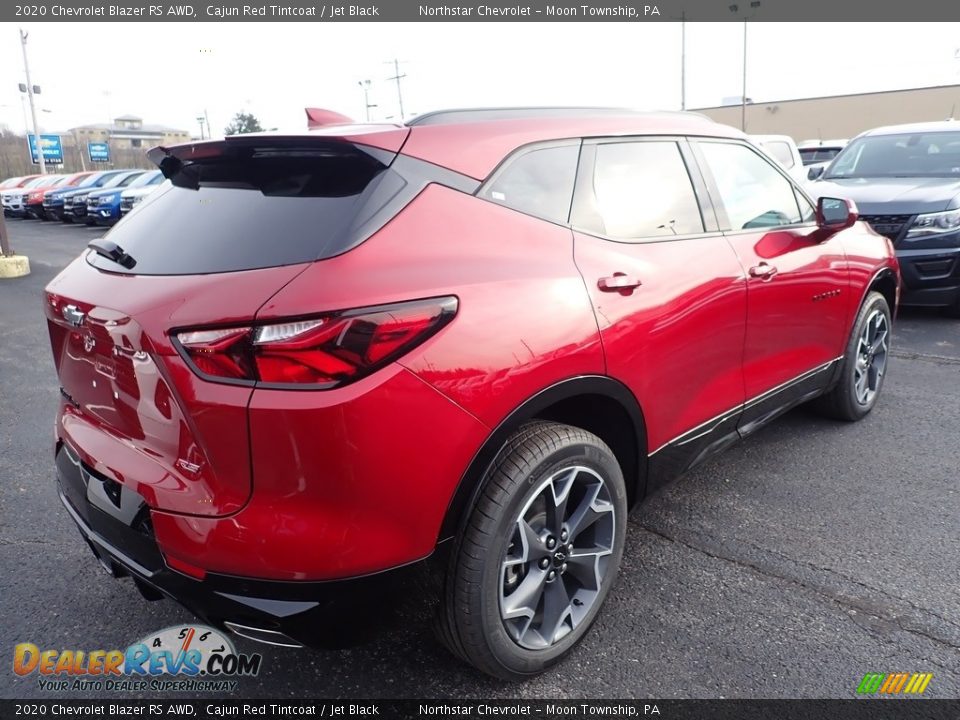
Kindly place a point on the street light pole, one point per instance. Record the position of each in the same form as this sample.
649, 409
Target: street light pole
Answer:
754, 4
683, 61
33, 110
743, 98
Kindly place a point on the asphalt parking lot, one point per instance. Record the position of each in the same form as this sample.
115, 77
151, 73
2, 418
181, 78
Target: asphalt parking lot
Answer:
804, 557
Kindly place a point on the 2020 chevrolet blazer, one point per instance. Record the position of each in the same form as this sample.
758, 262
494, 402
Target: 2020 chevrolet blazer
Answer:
477, 338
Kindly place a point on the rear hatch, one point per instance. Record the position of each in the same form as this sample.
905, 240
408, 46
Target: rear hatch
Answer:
239, 220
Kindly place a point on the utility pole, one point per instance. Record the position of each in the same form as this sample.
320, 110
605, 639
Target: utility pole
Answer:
398, 77
5, 250
365, 86
33, 109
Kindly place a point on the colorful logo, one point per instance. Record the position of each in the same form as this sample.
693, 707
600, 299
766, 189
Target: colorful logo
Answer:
201, 655
894, 683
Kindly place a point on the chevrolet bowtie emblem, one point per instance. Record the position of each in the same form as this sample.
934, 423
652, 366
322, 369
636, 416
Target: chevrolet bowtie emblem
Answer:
73, 315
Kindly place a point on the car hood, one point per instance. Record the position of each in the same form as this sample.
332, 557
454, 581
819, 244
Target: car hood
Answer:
138, 191
57, 192
893, 196
80, 191
39, 190
105, 191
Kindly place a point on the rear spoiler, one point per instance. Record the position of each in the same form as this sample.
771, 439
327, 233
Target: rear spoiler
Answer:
318, 117
182, 164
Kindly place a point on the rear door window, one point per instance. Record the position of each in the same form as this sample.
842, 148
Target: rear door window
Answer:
639, 190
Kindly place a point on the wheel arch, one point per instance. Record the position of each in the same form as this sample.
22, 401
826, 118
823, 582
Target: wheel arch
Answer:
596, 403
885, 282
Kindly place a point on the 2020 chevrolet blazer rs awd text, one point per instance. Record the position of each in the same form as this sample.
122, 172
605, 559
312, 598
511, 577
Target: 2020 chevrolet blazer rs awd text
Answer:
478, 338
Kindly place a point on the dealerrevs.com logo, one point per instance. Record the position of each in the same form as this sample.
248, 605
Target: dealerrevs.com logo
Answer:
187, 658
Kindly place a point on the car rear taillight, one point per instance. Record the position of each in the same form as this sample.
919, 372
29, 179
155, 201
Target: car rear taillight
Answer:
321, 352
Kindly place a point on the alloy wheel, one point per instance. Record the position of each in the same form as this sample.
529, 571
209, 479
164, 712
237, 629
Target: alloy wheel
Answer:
871, 362
554, 567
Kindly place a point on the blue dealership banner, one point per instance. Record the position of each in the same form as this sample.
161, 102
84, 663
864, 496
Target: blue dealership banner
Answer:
50, 145
99, 152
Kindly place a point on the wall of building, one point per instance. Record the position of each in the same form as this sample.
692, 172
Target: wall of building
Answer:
842, 116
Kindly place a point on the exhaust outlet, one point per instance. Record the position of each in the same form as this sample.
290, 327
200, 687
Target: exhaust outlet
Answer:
262, 635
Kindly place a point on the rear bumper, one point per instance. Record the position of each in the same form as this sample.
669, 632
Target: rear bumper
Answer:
115, 524
931, 277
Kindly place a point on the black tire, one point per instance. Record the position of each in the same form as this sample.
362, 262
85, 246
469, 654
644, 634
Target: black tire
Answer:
953, 310
469, 621
843, 401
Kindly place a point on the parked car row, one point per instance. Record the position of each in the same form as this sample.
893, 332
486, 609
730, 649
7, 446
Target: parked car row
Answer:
905, 181
100, 198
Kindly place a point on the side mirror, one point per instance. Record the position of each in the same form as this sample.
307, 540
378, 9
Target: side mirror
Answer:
836, 214
815, 172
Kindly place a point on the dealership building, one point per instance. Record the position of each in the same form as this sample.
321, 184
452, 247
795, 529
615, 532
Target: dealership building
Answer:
128, 132
842, 116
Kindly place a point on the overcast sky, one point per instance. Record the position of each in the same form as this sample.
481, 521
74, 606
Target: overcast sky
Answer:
169, 73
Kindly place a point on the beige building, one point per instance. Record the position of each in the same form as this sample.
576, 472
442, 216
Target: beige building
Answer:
129, 132
842, 116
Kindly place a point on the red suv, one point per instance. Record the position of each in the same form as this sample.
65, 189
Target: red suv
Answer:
477, 339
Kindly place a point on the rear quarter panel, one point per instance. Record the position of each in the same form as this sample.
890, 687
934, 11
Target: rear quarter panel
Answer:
524, 320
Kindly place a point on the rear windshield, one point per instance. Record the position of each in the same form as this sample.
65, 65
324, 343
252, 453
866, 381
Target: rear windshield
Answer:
257, 208
780, 151
817, 155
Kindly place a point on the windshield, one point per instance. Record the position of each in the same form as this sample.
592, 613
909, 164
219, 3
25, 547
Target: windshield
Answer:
42, 180
148, 178
256, 208
122, 180
935, 154
90, 181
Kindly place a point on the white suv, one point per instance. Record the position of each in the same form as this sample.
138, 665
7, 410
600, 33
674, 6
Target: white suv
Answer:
784, 150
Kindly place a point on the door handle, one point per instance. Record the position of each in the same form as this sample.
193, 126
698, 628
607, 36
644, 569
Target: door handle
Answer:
764, 271
618, 282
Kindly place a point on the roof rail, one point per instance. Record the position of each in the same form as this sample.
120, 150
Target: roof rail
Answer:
464, 115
